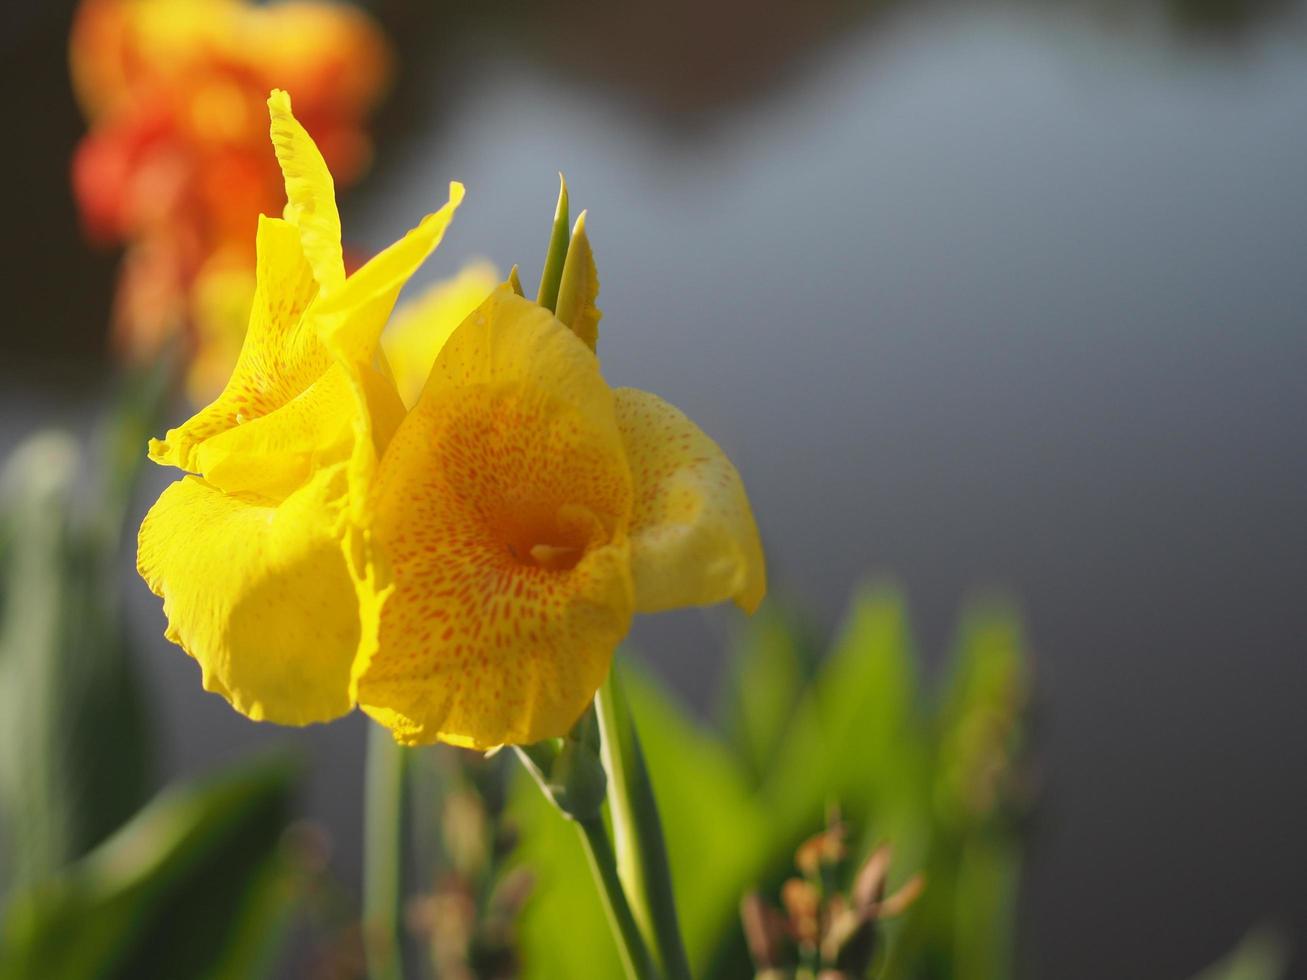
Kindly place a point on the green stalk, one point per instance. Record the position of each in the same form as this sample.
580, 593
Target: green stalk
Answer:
630, 943
572, 791
641, 852
383, 851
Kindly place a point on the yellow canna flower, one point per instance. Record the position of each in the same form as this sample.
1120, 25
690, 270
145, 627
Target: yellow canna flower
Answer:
247, 553
521, 513
464, 570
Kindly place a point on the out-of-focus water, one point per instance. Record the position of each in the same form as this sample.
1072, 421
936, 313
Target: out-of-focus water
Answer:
981, 296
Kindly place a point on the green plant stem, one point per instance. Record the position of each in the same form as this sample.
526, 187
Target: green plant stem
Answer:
630, 943
540, 761
383, 846
638, 832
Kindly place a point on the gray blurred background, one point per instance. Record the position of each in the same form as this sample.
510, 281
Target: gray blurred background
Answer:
992, 294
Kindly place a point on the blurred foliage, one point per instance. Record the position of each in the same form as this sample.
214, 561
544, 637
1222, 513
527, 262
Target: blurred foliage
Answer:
195, 886
74, 754
467, 904
935, 773
1263, 955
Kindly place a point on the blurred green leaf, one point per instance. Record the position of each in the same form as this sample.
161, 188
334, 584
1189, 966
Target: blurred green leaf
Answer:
717, 832
979, 720
1262, 955
964, 927
858, 738
192, 887
933, 776
771, 664
74, 755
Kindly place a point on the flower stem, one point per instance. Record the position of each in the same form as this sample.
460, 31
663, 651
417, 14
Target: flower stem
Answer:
630, 943
383, 847
541, 761
641, 853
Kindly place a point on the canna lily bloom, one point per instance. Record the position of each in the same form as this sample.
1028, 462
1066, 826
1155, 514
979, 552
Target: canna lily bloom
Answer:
520, 515
248, 552
175, 165
463, 571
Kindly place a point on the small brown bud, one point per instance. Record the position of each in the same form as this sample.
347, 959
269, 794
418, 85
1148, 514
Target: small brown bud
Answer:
898, 903
869, 886
764, 932
803, 906
824, 849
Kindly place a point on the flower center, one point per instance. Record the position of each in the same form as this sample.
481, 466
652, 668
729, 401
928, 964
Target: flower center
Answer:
548, 538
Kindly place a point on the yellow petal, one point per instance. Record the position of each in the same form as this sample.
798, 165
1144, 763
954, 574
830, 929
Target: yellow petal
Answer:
259, 594
273, 454
350, 319
693, 538
498, 531
280, 358
310, 192
579, 288
421, 326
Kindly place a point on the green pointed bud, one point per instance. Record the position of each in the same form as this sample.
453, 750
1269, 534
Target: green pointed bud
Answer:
547, 296
579, 288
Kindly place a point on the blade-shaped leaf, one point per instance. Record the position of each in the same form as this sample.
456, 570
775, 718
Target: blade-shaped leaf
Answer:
74, 756
192, 887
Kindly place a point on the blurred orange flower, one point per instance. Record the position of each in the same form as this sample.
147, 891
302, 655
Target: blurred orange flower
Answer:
175, 166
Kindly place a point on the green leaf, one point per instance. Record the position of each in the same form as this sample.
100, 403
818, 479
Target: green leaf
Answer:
715, 828
858, 738
771, 664
964, 925
1262, 955
74, 756
192, 887
979, 720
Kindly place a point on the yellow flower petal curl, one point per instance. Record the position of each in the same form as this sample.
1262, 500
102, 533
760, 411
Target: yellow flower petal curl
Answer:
258, 593
310, 192
280, 358
693, 537
350, 321
499, 537
421, 326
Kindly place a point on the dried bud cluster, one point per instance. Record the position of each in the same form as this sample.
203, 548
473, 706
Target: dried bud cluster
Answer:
826, 926
469, 918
